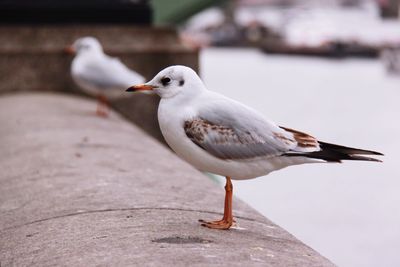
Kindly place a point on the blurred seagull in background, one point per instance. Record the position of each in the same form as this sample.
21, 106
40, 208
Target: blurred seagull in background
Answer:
100, 75
222, 136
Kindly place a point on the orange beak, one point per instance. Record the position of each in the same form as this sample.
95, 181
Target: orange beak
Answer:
69, 50
140, 87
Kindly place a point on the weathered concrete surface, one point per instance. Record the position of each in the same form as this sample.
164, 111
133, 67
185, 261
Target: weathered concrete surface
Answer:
79, 190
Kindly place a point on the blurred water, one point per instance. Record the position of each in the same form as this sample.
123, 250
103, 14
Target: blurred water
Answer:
348, 212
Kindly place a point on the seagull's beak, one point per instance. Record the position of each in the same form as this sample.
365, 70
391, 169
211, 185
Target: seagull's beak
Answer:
69, 50
140, 87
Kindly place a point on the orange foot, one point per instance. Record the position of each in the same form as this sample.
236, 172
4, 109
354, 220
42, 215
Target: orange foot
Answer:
223, 224
102, 113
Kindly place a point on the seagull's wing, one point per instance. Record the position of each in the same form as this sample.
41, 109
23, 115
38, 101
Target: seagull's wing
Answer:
229, 130
108, 73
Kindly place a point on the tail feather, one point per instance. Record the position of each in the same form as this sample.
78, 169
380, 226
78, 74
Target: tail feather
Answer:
337, 153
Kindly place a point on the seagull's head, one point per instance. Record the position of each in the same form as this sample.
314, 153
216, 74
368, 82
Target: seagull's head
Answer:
84, 45
171, 82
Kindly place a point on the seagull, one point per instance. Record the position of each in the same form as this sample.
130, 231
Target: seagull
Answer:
222, 136
98, 74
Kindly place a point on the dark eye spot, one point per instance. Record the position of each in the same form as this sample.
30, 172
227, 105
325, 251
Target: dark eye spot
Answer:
181, 82
165, 81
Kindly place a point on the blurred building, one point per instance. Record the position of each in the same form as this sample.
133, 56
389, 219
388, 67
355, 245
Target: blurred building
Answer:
334, 27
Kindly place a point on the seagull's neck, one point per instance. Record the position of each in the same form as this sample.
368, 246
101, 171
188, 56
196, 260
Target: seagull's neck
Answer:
184, 103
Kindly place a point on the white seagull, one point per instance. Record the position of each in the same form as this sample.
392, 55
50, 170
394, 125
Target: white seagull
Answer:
222, 136
98, 74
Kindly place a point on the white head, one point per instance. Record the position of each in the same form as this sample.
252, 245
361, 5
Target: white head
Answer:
86, 44
173, 81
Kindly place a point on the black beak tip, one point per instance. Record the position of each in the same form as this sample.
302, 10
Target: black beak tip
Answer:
130, 89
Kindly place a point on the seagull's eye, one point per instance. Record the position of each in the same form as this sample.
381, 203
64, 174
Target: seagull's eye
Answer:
165, 81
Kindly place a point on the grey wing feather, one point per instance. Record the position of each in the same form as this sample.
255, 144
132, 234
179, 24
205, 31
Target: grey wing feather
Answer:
109, 73
237, 133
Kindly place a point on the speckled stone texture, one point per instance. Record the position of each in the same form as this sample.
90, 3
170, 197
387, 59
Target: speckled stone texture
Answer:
80, 190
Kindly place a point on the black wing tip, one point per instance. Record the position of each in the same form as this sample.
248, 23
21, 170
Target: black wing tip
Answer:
377, 153
348, 150
332, 157
356, 157
370, 152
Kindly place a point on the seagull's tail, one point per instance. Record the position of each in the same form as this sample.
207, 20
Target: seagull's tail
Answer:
336, 153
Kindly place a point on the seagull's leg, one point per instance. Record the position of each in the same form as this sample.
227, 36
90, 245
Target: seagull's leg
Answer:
227, 220
102, 106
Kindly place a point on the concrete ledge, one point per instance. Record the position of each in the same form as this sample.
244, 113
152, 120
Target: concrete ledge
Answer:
79, 190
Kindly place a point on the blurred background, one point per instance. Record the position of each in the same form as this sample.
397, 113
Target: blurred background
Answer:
327, 67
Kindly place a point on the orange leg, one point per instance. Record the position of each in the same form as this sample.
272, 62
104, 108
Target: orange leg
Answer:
227, 220
102, 106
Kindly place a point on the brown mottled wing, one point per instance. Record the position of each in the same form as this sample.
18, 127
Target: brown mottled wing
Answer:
233, 132
226, 142
303, 140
